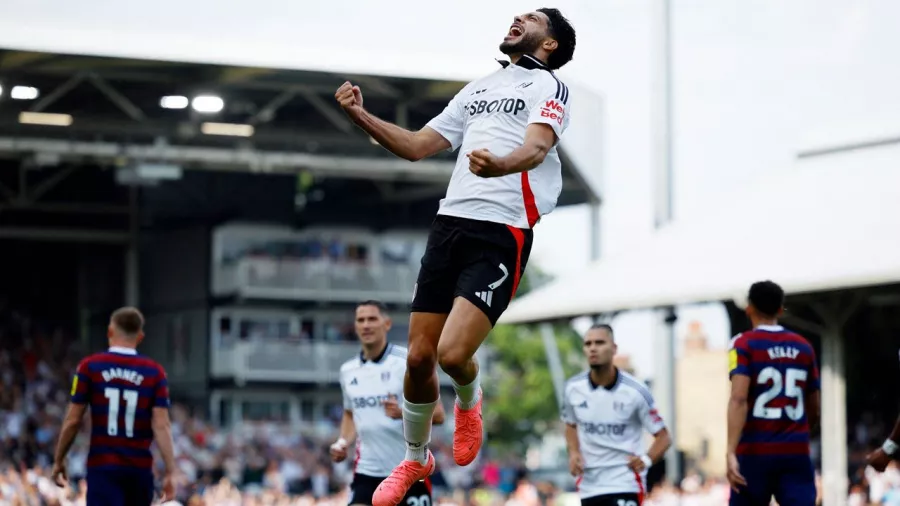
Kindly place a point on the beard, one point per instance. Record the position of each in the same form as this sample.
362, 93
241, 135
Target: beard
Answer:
528, 44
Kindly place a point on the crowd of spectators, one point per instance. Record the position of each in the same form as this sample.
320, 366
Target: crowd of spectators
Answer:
273, 464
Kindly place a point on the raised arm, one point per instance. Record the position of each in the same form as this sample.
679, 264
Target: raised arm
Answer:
547, 121
404, 143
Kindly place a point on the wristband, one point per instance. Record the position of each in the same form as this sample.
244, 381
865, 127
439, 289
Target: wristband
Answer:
341, 443
889, 447
648, 462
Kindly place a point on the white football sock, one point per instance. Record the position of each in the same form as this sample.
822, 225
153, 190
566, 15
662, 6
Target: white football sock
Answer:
417, 429
467, 396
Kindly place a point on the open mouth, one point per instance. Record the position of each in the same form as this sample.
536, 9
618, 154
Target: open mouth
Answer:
515, 31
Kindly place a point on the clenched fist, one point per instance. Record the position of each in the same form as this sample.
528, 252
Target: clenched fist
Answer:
351, 99
483, 163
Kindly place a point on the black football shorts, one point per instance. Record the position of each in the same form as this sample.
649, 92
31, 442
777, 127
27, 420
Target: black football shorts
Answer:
482, 261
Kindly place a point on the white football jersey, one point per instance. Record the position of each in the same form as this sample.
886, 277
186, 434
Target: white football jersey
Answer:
611, 422
366, 384
492, 113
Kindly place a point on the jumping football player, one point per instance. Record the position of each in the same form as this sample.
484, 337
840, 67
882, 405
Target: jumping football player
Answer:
506, 126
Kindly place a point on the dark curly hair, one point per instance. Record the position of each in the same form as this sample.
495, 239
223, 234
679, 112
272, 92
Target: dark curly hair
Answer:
564, 34
767, 297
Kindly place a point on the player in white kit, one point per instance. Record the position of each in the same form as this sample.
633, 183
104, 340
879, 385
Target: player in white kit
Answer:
606, 412
506, 127
372, 383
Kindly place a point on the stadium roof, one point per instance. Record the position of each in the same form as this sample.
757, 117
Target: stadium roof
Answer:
312, 39
115, 118
830, 222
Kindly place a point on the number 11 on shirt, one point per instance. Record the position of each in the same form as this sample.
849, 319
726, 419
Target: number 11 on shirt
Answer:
114, 395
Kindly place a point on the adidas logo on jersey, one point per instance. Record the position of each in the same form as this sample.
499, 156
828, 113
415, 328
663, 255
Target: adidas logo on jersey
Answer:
354, 382
583, 405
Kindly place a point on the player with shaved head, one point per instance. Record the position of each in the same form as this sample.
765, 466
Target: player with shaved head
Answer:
606, 412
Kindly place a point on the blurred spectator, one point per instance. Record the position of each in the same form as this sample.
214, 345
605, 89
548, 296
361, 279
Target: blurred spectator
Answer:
271, 463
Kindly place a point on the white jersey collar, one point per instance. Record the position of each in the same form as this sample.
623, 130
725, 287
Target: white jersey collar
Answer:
121, 350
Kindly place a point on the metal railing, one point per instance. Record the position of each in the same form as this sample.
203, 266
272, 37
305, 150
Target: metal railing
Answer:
292, 279
286, 361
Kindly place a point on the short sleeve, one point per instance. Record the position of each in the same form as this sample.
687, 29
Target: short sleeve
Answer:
451, 122
551, 106
739, 357
348, 402
161, 394
567, 414
81, 384
649, 415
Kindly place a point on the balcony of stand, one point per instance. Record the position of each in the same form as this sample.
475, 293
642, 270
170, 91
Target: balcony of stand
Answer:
289, 361
287, 278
